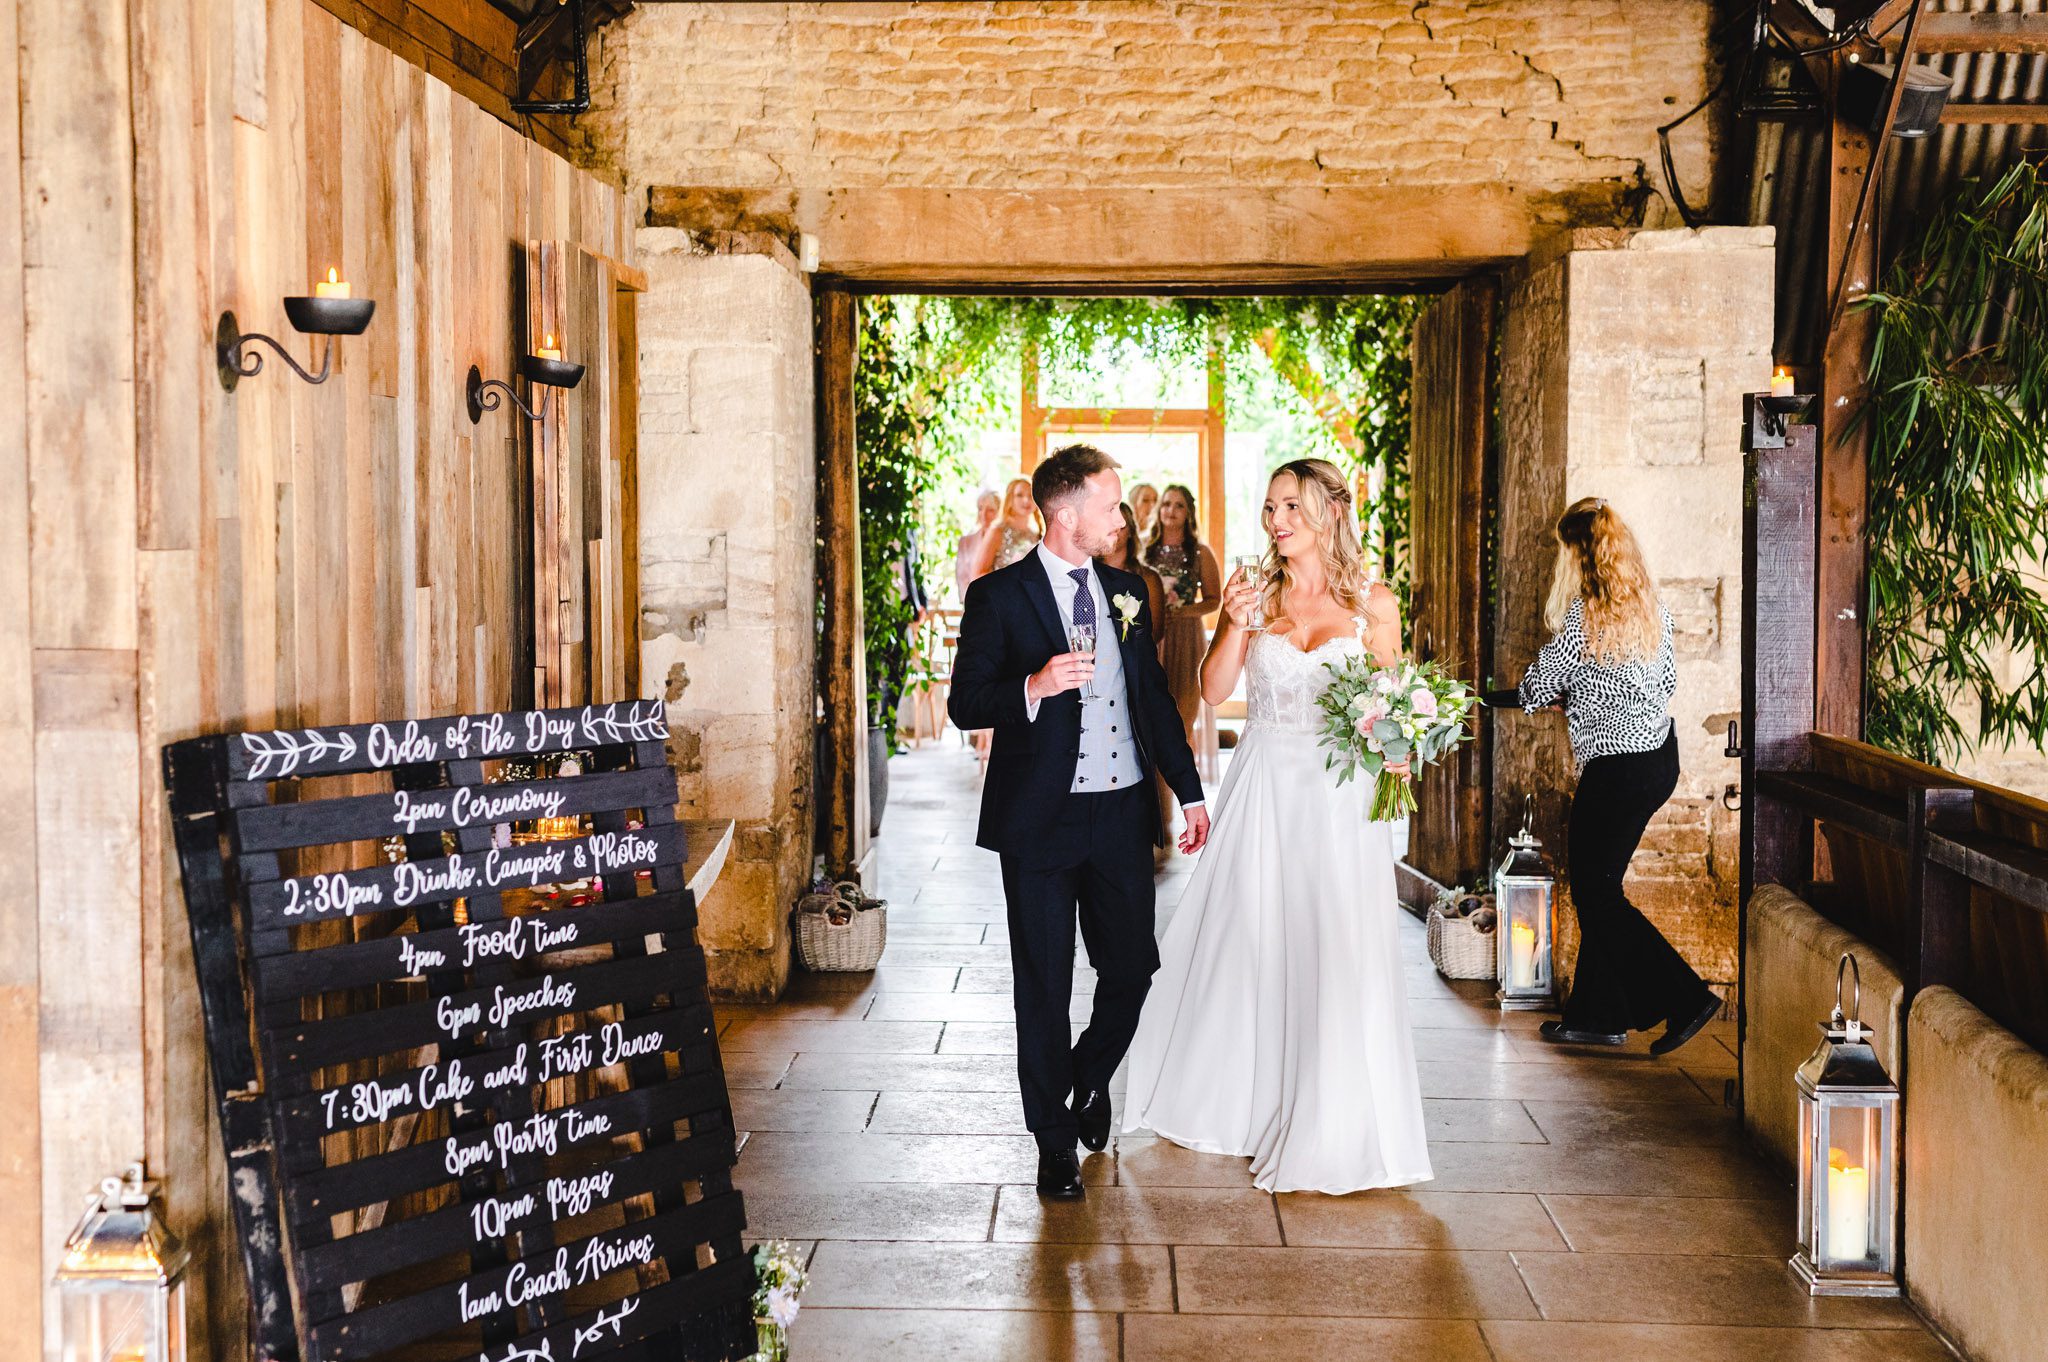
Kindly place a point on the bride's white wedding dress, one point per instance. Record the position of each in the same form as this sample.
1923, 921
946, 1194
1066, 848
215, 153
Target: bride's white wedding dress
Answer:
1277, 1025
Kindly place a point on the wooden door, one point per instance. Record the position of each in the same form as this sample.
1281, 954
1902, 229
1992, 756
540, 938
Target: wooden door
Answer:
1450, 489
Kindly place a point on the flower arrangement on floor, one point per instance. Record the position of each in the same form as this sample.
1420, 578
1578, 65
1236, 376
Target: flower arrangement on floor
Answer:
778, 1280
1377, 717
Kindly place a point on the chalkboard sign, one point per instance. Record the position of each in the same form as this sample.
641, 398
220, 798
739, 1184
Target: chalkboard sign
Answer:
470, 1094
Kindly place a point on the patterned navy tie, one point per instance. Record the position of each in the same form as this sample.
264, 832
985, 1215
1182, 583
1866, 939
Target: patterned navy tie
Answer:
1084, 599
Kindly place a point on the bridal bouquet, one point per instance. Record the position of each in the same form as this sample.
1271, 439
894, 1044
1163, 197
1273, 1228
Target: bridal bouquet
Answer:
1381, 716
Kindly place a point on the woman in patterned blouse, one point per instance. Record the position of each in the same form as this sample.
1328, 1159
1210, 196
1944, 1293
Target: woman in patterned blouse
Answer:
1609, 664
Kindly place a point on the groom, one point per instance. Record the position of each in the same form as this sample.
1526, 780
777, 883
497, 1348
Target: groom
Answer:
1068, 800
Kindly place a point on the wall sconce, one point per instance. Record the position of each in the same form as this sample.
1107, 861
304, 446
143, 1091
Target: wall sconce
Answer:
544, 369
1764, 415
330, 312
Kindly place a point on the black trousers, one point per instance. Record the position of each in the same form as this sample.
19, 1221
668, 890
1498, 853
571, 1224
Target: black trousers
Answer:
1097, 869
1628, 977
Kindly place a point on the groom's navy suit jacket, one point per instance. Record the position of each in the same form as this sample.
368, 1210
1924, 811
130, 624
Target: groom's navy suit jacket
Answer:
1011, 627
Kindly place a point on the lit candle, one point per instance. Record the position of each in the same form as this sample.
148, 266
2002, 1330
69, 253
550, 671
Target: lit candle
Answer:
331, 287
548, 349
1521, 955
1848, 1210
1781, 383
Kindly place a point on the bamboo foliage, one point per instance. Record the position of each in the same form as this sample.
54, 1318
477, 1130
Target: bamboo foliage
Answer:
1958, 471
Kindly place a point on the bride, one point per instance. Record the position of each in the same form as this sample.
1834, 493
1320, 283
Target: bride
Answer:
1277, 1026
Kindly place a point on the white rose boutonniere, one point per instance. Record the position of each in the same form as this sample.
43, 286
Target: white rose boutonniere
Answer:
1126, 610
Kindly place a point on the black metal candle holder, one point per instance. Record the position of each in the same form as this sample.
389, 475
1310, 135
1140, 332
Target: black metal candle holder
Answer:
484, 394
1764, 417
328, 317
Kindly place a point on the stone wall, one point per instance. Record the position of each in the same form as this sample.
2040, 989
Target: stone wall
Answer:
727, 546
1559, 100
1623, 362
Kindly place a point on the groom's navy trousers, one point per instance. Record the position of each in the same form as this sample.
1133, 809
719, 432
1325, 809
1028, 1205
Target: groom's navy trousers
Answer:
1068, 858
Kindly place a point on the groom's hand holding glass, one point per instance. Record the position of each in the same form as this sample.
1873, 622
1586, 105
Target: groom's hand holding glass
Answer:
1065, 672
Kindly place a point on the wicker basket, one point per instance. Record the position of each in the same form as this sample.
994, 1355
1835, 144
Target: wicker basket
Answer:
1458, 949
842, 931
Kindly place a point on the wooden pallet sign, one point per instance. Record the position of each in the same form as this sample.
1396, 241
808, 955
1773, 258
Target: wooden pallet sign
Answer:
470, 1092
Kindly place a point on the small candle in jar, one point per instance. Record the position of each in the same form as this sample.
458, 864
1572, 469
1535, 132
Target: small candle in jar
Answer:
331, 287
548, 348
1781, 383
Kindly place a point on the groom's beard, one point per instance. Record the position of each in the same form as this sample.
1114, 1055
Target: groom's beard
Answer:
1093, 548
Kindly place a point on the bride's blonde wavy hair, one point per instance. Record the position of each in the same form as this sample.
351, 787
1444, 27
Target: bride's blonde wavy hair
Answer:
1599, 561
1327, 509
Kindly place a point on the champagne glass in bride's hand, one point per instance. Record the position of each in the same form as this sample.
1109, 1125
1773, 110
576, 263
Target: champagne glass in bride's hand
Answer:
1248, 564
1081, 639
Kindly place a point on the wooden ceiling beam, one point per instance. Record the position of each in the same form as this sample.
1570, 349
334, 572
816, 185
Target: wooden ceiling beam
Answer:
1957, 32
1995, 113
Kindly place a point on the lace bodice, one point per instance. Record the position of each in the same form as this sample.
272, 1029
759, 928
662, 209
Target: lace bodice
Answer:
1283, 683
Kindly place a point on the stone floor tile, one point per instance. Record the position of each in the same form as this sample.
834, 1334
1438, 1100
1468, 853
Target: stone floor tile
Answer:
848, 1006
1337, 1281
1412, 1219
820, 1112
1559, 1341
756, 1068
949, 1113
902, 928
939, 911
1463, 1045
873, 1037
986, 1038
1691, 1225
946, 953
869, 1210
1625, 1079
794, 1159
1487, 1120
907, 1073
826, 1335
1590, 1169
962, 1007
1147, 1161
1240, 1338
1662, 1289
998, 979
993, 1276
1658, 1124
1139, 1215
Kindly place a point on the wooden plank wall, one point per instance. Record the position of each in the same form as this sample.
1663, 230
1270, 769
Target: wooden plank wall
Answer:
181, 560
1449, 492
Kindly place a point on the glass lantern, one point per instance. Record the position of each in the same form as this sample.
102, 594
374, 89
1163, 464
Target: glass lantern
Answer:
120, 1284
1525, 902
1848, 1159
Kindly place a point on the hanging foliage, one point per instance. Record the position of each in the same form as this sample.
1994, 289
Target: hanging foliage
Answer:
1958, 468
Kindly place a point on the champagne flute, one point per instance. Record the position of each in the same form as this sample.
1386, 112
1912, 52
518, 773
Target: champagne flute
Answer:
1081, 639
1249, 565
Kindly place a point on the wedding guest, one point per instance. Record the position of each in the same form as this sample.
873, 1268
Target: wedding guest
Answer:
967, 555
1609, 665
1015, 535
1144, 503
1124, 554
1194, 590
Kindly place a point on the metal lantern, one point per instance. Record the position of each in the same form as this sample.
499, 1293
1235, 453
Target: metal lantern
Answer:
1848, 1159
121, 1283
1525, 902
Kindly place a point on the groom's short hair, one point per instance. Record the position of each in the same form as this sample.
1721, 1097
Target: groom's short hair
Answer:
1064, 475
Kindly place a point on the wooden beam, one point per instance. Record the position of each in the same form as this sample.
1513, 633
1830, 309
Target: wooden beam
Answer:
1995, 113
843, 778
1959, 32
1214, 501
1030, 416
1151, 421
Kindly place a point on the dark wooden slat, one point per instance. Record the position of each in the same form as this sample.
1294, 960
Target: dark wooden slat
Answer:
311, 1115
408, 955
338, 1040
278, 904
2013, 871
346, 1186
1839, 802
2010, 114
707, 1309
1942, 33
452, 1229
355, 748
356, 818
382, 1328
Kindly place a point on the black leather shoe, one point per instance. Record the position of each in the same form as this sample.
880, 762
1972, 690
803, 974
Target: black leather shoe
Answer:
1676, 1035
1557, 1033
1059, 1174
1092, 1112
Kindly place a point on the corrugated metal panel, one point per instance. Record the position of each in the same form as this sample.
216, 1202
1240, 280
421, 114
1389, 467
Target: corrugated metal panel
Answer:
1788, 183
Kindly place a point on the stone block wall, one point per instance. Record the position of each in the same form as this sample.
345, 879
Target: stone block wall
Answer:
727, 549
1624, 357
1560, 100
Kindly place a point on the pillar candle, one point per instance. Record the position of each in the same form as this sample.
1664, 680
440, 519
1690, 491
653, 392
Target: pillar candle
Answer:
1521, 955
1848, 1211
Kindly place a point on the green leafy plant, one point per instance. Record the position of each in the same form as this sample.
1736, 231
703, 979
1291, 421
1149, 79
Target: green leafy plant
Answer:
1958, 467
